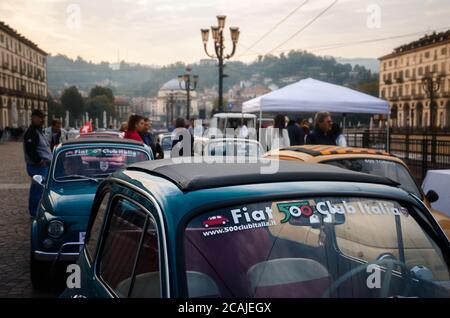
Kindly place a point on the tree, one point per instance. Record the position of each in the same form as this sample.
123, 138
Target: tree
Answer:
97, 105
55, 109
72, 101
102, 91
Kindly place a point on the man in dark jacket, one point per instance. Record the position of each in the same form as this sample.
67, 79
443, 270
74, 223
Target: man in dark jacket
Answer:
296, 134
150, 140
321, 134
37, 157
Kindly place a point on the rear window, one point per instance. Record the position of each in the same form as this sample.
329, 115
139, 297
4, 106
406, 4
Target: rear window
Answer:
385, 168
312, 247
95, 162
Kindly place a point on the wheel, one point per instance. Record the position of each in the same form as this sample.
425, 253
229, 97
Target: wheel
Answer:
40, 274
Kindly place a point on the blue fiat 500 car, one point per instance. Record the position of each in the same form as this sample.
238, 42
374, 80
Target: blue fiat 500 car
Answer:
167, 229
78, 166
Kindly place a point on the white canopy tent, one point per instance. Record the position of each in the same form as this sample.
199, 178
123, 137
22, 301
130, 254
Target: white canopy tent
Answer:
310, 96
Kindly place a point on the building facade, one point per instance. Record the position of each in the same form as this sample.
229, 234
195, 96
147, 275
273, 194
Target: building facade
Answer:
401, 83
23, 78
172, 102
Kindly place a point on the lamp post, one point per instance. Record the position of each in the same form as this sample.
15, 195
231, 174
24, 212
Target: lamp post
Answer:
188, 85
169, 109
219, 49
431, 86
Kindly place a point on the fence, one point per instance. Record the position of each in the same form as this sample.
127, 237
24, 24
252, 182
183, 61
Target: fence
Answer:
420, 152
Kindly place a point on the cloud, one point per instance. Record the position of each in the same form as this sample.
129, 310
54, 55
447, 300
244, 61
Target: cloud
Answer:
164, 31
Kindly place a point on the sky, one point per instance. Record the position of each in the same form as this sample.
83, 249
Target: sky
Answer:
160, 32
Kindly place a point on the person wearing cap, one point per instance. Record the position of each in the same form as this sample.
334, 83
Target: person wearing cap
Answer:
37, 157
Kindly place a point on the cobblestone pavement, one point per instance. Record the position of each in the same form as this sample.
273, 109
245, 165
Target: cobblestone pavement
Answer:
15, 225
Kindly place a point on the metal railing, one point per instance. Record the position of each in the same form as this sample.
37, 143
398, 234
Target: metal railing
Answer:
421, 152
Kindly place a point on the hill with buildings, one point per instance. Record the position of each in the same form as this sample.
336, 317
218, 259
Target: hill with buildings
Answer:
144, 80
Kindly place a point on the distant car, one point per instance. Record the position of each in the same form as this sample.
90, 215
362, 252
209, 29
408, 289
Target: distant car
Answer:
57, 231
72, 133
215, 220
233, 147
291, 234
372, 161
165, 140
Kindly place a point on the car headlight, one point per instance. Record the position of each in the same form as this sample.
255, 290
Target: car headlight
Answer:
55, 229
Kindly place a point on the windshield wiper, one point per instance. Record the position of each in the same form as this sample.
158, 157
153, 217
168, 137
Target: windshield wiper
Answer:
77, 176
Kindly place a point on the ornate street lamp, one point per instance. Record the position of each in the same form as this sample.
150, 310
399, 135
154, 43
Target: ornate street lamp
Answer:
431, 86
188, 85
219, 48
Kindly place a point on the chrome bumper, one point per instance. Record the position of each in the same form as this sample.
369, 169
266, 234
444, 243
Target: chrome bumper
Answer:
60, 255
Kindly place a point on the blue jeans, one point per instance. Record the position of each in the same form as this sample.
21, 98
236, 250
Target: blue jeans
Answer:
36, 190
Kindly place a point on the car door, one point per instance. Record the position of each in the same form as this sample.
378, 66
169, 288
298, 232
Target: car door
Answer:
128, 261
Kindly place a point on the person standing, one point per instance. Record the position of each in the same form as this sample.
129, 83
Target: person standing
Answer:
136, 125
278, 136
321, 134
55, 134
149, 139
37, 155
296, 134
336, 132
178, 135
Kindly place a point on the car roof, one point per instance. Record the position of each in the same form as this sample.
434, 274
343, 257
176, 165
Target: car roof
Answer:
325, 150
97, 140
234, 115
191, 176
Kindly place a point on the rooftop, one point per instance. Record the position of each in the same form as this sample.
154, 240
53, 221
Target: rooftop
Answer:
428, 39
6, 28
321, 150
195, 176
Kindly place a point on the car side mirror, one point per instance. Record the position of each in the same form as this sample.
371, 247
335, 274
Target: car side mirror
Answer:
38, 179
432, 196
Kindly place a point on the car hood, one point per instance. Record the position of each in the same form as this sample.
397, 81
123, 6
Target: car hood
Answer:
70, 200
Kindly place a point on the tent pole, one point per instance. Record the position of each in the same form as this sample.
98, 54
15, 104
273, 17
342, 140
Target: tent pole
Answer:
387, 131
344, 124
260, 125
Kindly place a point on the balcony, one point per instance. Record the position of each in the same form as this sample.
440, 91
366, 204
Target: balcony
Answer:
5, 65
399, 80
388, 82
14, 68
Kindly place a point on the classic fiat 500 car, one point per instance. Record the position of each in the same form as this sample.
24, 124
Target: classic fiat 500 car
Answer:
146, 235
78, 166
372, 161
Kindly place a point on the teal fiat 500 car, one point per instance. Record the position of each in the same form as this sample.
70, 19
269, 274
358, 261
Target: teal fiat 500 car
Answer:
57, 231
189, 230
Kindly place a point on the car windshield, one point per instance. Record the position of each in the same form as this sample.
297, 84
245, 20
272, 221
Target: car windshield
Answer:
313, 247
386, 168
234, 148
166, 143
97, 162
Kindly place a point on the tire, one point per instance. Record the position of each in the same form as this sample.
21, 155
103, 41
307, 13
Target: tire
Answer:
40, 274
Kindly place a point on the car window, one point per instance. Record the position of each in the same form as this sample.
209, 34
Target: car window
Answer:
94, 234
146, 280
386, 168
312, 247
94, 162
234, 148
121, 244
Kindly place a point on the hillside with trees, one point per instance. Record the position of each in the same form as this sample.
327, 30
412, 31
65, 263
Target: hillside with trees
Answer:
145, 80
